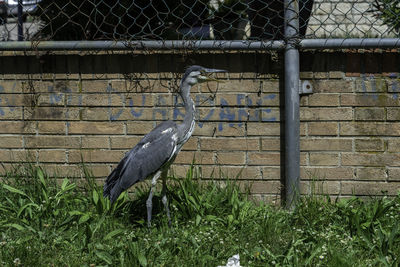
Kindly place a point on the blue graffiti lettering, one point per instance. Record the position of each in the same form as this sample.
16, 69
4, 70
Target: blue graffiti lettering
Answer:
267, 118
2, 113
113, 117
132, 110
394, 87
200, 99
373, 86
54, 97
225, 114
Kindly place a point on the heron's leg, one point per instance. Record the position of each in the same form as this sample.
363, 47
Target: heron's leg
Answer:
149, 202
164, 195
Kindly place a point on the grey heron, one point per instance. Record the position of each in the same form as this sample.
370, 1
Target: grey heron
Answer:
156, 151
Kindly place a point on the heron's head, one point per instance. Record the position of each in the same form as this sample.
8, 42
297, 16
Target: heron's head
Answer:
197, 74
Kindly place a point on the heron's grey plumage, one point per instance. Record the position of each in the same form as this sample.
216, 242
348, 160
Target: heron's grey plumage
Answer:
153, 155
148, 156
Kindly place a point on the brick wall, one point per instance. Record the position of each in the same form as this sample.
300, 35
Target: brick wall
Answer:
60, 110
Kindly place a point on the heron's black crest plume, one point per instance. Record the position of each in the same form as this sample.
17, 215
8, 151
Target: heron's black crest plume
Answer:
190, 69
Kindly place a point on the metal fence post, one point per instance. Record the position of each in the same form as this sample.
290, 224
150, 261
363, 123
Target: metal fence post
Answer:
292, 104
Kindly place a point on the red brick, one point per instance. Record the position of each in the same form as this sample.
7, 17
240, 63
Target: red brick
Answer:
369, 145
230, 129
394, 174
230, 158
10, 141
271, 173
187, 157
370, 114
13, 113
231, 172
54, 127
323, 128
369, 100
270, 86
324, 173
51, 113
263, 187
17, 156
232, 86
17, 127
369, 173
371, 85
52, 142
98, 156
264, 158
369, 129
371, 159
323, 100
95, 141
312, 114
369, 188
320, 187
393, 145
139, 127
326, 144
333, 86
124, 142
271, 144
96, 128
324, 159
216, 144
263, 128
52, 156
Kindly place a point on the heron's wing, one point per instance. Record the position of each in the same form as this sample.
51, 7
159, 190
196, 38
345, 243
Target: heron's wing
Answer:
145, 159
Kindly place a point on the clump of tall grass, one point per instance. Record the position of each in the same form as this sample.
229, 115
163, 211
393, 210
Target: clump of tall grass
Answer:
47, 221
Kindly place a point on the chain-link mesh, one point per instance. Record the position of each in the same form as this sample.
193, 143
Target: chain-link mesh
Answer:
194, 19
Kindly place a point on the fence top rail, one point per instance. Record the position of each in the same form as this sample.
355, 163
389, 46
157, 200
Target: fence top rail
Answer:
142, 45
369, 43
383, 43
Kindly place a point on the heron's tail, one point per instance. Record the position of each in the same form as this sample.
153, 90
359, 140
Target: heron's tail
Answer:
110, 188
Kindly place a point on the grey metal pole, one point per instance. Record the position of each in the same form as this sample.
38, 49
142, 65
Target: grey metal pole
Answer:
350, 43
292, 105
141, 45
20, 22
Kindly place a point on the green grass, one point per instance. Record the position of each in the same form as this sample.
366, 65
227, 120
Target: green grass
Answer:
45, 223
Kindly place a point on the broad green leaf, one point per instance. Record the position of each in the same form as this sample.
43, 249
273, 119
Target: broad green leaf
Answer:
16, 226
142, 259
41, 177
104, 256
198, 219
84, 218
113, 233
95, 197
14, 190
64, 184
75, 212
26, 206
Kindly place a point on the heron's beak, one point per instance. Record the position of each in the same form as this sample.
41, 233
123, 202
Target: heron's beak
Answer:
208, 78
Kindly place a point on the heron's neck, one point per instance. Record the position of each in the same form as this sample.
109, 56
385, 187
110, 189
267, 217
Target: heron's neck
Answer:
187, 126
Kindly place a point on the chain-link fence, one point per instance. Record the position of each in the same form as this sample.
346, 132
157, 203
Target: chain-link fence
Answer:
129, 20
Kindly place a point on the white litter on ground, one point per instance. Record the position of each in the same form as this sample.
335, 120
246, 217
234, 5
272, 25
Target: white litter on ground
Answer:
233, 261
